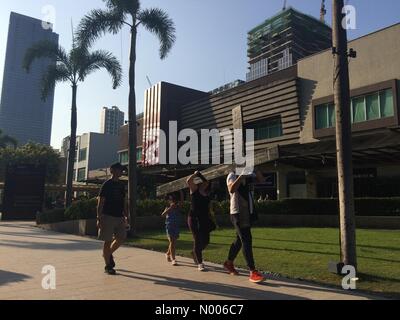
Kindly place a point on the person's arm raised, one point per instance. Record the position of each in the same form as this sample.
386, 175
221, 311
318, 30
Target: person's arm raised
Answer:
233, 186
190, 182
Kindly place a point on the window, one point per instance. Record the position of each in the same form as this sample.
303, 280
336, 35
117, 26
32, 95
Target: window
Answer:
124, 157
386, 103
81, 174
139, 154
83, 154
325, 116
267, 129
377, 105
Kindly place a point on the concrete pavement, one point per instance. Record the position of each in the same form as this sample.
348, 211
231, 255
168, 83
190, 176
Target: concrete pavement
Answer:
142, 275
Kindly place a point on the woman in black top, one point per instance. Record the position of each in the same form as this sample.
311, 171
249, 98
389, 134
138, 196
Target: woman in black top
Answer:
199, 220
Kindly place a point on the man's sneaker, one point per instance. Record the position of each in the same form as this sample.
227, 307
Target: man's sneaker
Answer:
112, 262
201, 267
168, 257
110, 271
174, 263
256, 277
228, 266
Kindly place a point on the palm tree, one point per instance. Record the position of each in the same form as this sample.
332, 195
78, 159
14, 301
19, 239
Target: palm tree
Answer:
120, 13
72, 67
6, 141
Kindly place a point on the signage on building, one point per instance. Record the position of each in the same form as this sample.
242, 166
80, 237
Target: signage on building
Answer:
23, 192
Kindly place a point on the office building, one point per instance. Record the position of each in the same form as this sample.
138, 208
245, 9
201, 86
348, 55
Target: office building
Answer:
23, 114
112, 119
94, 151
282, 40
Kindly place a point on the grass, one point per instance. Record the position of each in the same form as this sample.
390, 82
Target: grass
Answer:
303, 253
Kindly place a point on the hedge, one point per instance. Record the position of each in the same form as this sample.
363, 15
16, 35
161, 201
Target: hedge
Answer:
86, 209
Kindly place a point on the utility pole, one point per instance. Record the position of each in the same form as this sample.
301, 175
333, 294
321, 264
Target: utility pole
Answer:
343, 136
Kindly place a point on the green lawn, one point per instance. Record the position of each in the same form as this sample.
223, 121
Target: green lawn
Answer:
303, 253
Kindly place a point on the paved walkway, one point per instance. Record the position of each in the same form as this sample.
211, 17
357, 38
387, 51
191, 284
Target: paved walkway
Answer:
143, 275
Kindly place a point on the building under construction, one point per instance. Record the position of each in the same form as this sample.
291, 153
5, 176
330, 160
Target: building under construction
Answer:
282, 40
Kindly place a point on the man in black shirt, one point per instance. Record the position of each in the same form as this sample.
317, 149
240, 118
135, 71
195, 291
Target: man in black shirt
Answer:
112, 216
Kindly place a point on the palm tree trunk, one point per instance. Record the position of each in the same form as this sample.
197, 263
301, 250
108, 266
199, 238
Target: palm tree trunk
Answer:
343, 138
72, 148
132, 133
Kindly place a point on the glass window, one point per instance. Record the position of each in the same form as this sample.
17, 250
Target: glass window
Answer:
386, 103
373, 111
83, 154
359, 114
332, 116
124, 157
373, 106
81, 174
321, 117
139, 154
267, 129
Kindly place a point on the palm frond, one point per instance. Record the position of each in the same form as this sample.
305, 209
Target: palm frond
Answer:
44, 49
102, 59
97, 23
6, 141
128, 6
54, 74
158, 22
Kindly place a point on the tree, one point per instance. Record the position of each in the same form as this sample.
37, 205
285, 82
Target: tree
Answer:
7, 141
72, 67
121, 13
32, 153
343, 137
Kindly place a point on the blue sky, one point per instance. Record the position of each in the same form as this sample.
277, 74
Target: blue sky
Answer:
210, 49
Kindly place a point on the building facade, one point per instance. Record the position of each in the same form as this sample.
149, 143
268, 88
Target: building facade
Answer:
282, 40
292, 114
123, 154
112, 119
94, 151
23, 114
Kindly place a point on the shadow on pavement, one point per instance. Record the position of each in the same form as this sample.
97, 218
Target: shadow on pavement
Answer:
10, 277
223, 290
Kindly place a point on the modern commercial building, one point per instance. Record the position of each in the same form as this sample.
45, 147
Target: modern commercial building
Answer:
291, 112
112, 119
65, 147
282, 40
123, 154
23, 114
94, 151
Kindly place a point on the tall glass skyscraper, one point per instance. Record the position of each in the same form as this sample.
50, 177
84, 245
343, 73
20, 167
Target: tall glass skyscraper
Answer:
23, 114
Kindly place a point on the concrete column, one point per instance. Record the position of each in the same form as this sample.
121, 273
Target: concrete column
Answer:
282, 184
311, 182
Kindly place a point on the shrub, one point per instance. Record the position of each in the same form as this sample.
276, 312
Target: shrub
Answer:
52, 216
81, 210
87, 209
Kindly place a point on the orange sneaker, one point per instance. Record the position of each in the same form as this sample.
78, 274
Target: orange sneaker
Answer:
228, 266
256, 277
